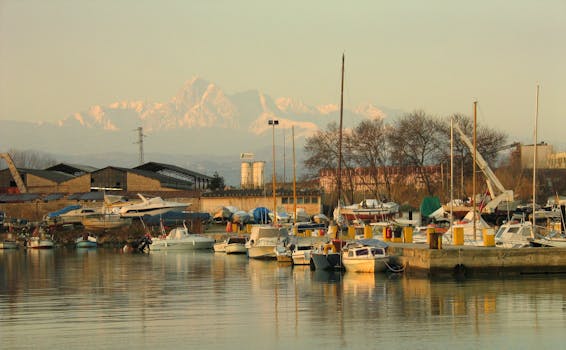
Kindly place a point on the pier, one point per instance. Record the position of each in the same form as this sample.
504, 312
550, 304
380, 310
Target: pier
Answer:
465, 261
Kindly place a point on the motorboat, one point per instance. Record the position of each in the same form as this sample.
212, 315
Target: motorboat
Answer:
361, 256
99, 221
264, 239
7, 244
87, 240
236, 245
514, 234
232, 245
327, 256
180, 238
148, 206
40, 242
283, 254
72, 214
369, 210
301, 254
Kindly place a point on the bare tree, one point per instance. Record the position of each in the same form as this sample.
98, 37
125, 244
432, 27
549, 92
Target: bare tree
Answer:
372, 152
417, 140
31, 159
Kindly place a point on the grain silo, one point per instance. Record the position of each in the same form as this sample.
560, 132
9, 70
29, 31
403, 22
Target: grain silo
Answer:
247, 176
258, 174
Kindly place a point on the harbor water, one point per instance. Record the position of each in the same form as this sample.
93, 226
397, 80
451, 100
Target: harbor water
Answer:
103, 299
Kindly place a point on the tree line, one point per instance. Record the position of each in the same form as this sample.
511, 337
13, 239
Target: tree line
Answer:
415, 140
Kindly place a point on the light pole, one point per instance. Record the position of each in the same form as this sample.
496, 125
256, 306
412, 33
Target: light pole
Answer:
274, 122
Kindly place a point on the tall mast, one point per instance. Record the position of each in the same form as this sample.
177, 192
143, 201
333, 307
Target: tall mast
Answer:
339, 175
294, 176
535, 164
474, 169
451, 170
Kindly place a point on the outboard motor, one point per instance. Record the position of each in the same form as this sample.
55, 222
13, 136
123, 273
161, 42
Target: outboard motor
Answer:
144, 243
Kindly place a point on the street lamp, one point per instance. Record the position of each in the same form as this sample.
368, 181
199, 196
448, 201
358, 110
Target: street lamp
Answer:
274, 122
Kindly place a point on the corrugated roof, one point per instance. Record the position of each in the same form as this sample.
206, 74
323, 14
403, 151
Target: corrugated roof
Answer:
15, 198
72, 168
166, 181
155, 167
55, 176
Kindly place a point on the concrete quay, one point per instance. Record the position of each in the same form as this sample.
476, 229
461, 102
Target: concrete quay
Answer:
467, 261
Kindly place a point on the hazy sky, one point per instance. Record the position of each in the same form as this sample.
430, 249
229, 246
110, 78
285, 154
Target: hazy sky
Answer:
59, 57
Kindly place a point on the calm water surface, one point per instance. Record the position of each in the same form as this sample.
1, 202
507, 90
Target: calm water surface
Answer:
96, 299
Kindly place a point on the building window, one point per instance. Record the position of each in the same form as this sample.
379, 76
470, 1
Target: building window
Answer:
284, 200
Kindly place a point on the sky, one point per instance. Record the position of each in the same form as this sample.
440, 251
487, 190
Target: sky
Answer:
59, 57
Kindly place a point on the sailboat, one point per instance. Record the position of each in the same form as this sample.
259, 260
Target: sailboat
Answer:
328, 256
520, 233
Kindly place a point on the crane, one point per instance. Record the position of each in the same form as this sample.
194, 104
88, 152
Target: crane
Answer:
491, 180
15, 173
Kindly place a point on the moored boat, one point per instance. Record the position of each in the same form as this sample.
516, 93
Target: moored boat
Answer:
263, 240
40, 243
87, 240
365, 257
180, 238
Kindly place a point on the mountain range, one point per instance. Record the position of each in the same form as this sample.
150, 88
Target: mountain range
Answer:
201, 128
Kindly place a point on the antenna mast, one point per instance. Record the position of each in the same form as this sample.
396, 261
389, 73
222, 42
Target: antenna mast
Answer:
140, 142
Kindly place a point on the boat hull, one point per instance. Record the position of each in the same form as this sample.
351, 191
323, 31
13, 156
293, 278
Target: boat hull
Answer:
369, 265
323, 261
186, 245
262, 252
302, 257
9, 245
236, 248
40, 244
86, 244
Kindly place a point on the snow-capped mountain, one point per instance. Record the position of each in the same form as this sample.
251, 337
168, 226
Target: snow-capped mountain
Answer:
200, 104
200, 122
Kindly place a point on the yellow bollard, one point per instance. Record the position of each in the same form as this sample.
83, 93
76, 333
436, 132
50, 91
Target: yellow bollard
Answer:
332, 231
488, 237
249, 228
408, 234
295, 230
308, 233
458, 235
351, 232
368, 233
235, 227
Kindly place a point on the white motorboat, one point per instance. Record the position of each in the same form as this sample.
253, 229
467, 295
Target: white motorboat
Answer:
148, 206
236, 245
40, 243
72, 214
87, 240
360, 257
9, 245
264, 239
514, 234
179, 238
231, 245
371, 210
301, 254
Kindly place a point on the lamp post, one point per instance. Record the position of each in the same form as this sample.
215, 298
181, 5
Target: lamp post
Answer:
274, 122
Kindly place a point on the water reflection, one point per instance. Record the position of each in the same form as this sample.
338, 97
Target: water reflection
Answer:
176, 299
